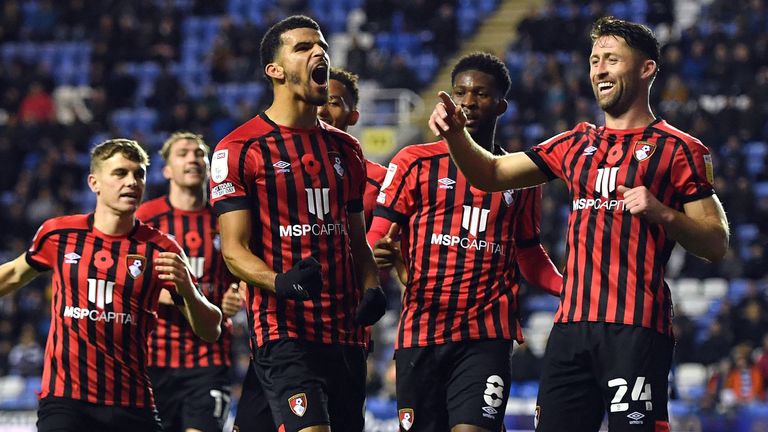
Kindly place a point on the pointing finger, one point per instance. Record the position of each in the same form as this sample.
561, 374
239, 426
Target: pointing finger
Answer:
448, 102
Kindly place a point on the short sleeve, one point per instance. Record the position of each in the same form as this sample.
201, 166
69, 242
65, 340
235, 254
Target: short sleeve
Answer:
550, 154
692, 172
527, 225
396, 199
233, 169
41, 255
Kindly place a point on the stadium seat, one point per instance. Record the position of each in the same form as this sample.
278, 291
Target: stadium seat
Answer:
11, 387
693, 306
715, 288
737, 289
381, 407
761, 190
690, 379
687, 288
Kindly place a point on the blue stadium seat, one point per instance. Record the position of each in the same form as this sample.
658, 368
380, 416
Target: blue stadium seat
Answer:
144, 120
761, 189
737, 290
546, 303
122, 121
528, 389
381, 408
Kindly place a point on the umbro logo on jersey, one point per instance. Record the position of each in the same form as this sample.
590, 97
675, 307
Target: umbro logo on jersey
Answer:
446, 183
606, 180
589, 151
474, 219
71, 258
318, 201
282, 167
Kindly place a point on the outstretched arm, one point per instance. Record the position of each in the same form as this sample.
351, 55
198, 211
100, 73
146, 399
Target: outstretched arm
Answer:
15, 274
483, 169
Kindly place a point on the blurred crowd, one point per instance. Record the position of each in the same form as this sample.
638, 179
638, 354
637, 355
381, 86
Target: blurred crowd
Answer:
713, 84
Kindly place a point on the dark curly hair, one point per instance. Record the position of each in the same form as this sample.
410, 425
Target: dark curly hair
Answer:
486, 63
349, 80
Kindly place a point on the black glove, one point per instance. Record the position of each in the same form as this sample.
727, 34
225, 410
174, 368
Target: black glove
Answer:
301, 282
371, 307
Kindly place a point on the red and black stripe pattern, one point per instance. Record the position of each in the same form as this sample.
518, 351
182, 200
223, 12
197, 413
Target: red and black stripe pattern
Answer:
300, 186
105, 292
616, 261
173, 344
459, 245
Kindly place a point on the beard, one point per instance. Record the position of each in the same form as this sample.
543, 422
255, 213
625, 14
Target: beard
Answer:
312, 97
618, 102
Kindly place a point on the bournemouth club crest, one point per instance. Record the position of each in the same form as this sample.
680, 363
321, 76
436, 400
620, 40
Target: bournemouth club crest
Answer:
298, 404
643, 150
406, 418
136, 265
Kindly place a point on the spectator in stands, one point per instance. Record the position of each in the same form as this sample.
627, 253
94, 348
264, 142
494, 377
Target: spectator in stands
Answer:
26, 357
713, 396
756, 262
683, 328
715, 346
37, 105
525, 365
762, 360
745, 379
751, 323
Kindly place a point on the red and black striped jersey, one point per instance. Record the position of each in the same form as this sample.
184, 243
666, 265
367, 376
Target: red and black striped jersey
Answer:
174, 344
616, 261
459, 245
300, 185
104, 295
375, 175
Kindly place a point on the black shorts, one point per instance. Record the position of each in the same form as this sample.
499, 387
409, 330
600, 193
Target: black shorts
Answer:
309, 384
441, 386
58, 414
590, 368
253, 413
192, 398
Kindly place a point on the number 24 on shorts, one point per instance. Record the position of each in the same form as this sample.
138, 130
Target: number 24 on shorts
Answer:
641, 391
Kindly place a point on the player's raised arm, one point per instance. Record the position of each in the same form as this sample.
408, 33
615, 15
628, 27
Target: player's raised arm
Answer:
203, 317
483, 169
15, 274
